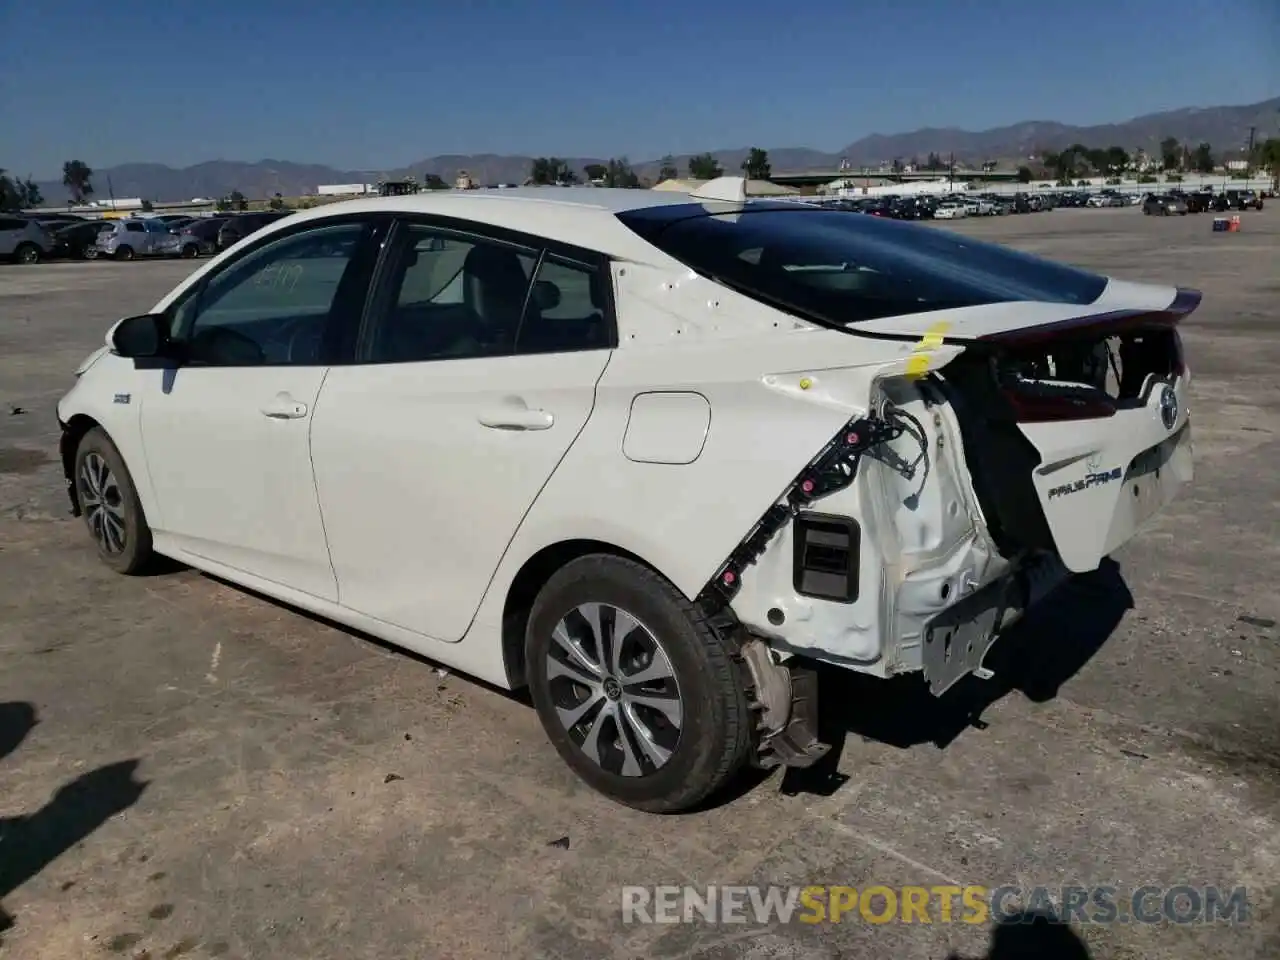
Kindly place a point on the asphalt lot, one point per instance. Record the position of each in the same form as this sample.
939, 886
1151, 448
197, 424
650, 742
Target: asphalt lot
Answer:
190, 770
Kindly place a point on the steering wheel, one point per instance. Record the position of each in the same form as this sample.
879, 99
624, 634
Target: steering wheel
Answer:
223, 346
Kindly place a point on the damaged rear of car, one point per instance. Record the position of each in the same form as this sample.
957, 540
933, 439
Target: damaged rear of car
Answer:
1040, 417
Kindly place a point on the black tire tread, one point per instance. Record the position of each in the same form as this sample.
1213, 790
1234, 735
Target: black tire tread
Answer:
138, 555
729, 675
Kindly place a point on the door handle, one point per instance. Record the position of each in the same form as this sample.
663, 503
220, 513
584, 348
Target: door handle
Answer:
516, 418
284, 407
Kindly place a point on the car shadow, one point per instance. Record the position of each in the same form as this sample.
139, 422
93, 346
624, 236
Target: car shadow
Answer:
1035, 657
30, 842
1034, 935
17, 719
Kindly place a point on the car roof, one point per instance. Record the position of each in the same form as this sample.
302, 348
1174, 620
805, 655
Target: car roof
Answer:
579, 216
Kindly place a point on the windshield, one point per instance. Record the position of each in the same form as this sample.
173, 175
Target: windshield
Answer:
843, 268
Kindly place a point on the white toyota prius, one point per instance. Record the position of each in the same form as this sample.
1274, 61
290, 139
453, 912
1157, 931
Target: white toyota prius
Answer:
651, 455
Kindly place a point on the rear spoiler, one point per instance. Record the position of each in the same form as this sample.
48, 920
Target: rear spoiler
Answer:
1090, 325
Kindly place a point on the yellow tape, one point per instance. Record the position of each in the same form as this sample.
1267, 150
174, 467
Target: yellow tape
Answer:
918, 362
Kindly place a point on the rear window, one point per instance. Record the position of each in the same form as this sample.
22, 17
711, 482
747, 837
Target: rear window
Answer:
844, 268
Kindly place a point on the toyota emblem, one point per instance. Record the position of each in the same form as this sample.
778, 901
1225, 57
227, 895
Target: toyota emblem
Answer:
1168, 408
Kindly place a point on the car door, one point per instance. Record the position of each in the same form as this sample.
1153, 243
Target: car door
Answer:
226, 430
472, 383
157, 231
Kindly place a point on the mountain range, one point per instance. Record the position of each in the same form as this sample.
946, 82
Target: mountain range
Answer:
1226, 128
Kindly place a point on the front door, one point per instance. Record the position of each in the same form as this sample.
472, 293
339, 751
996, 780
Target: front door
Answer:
473, 382
227, 432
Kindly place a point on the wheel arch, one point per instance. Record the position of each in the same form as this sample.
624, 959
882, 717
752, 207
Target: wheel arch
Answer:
530, 579
73, 432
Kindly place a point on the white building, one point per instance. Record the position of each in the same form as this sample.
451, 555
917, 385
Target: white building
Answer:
344, 189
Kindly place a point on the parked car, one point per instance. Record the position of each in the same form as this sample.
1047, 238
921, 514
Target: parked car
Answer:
1164, 205
238, 227
1198, 201
132, 238
78, 241
198, 238
1243, 200
23, 240
950, 210
466, 425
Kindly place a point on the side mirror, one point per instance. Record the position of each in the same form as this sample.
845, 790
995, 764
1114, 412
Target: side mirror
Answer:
141, 336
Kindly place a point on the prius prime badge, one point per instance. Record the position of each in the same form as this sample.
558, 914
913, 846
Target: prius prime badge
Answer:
1168, 408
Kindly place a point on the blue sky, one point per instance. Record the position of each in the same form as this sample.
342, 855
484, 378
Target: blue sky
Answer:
384, 84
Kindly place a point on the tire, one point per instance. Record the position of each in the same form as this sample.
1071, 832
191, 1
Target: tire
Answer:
27, 253
110, 506
124, 253
681, 763
190, 252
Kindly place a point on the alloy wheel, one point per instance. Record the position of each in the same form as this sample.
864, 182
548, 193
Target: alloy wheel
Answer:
614, 690
103, 503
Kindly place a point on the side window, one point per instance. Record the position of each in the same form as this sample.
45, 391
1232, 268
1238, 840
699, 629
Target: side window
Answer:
15, 224
567, 309
450, 296
274, 304
134, 227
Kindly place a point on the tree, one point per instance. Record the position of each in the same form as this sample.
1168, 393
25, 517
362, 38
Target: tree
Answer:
148, 206
668, 170
223, 204
34, 197
237, 201
433, 181
545, 171
10, 195
276, 202
935, 162
595, 171
756, 166
76, 177
1116, 160
1170, 154
618, 173
1269, 159
1024, 174
1202, 158
896, 166
704, 167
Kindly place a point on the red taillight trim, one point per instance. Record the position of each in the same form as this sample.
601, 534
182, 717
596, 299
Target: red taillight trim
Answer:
1107, 324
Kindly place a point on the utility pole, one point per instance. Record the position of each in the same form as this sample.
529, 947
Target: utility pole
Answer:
1248, 157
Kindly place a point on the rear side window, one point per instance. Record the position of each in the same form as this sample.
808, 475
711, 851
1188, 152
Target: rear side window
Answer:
845, 268
135, 228
12, 224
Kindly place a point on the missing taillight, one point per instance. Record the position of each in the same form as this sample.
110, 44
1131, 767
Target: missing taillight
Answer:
1091, 366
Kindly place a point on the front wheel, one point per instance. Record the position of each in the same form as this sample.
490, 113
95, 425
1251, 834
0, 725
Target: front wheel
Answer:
110, 506
190, 251
124, 253
27, 253
640, 696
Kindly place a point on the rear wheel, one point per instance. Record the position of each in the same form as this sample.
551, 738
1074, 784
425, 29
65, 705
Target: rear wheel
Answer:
124, 253
190, 251
110, 506
27, 253
641, 697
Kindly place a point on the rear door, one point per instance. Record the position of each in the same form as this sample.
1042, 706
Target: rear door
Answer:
476, 372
